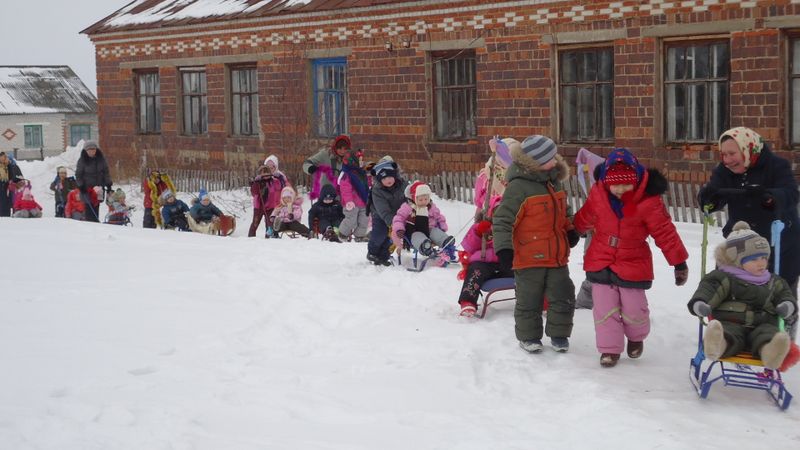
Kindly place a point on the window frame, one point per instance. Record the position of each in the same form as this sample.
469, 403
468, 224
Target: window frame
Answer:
595, 84
72, 126
340, 98
706, 83
201, 96
29, 135
437, 57
249, 97
794, 40
144, 98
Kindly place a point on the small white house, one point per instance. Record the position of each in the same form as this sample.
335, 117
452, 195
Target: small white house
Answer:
43, 109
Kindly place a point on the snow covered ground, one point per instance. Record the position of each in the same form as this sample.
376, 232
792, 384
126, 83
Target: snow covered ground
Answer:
124, 338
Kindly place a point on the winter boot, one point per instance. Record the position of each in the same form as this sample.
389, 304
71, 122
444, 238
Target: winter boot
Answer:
331, 235
468, 309
532, 346
378, 261
635, 349
426, 248
450, 252
449, 241
774, 351
714, 343
609, 359
560, 344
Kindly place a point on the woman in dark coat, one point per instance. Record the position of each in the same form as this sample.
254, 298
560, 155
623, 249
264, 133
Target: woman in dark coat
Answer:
10, 175
92, 170
765, 190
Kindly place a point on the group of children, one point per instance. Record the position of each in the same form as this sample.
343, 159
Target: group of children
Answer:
527, 229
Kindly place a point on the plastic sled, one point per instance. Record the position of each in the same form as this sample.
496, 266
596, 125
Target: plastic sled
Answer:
505, 288
741, 370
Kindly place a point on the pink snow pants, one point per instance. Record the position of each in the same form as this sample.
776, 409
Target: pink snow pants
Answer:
619, 313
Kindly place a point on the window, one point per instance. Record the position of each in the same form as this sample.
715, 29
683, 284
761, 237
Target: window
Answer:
454, 95
149, 89
244, 101
795, 91
33, 136
330, 96
195, 101
587, 95
78, 132
696, 91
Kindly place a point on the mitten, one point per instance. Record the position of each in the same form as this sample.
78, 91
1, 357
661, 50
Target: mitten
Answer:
573, 237
291, 216
312, 169
483, 227
506, 259
681, 274
400, 234
768, 201
108, 188
785, 309
349, 206
709, 197
701, 309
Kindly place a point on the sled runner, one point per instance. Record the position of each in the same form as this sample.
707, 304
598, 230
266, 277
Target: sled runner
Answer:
494, 288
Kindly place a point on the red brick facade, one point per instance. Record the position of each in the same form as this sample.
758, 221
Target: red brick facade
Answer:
390, 99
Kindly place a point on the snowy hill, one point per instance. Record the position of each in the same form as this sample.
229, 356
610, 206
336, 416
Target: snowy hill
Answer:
124, 338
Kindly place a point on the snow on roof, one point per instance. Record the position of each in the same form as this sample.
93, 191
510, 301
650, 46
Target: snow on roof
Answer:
148, 11
141, 14
43, 89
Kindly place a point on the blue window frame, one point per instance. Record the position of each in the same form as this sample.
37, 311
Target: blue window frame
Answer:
330, 96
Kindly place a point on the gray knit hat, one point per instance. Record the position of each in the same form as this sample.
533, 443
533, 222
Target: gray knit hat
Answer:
90, 144
743, 245
541, 148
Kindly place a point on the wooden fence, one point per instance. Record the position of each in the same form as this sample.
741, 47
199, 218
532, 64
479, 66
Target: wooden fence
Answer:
681, 199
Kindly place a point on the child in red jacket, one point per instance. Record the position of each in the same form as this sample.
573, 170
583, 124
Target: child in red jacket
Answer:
25, 205
76, 208
624, 208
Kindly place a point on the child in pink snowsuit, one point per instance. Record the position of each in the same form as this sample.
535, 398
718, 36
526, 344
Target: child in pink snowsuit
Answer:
25, 205
624, 208
423, 223
287, 216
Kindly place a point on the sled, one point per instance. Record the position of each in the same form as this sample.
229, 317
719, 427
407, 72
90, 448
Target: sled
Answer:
742, 370
418, 262
227, 225
494, 288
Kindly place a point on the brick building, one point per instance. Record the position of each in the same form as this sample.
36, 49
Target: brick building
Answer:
224, 82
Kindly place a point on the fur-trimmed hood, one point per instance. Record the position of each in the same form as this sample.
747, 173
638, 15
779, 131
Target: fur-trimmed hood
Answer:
523, 166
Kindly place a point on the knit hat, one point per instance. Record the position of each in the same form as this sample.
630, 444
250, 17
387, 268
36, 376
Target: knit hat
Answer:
417, 188
166, 195
541, 148
118, 195
750, 143
287, 191
620, 173
741, 246
272, 159
328, 192
203, 194
90, 144
385, 169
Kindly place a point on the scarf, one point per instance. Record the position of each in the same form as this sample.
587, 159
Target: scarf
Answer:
746, 276
750, 143
358, 178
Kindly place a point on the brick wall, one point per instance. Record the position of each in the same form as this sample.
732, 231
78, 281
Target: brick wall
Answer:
390, 94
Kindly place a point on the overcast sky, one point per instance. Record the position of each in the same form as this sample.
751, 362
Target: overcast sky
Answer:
46, 32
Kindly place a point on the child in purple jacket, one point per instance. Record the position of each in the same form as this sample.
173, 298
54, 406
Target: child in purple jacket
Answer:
287, 216
483, 263
423, 223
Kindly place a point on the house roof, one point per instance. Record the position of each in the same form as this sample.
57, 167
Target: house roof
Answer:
43, 89
149, 14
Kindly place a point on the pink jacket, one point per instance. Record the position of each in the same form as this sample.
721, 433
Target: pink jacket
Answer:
283, 212
472, 245
274, 184
348, 193
435, 217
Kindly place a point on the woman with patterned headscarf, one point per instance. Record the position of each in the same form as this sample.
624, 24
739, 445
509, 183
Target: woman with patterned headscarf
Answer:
766, 191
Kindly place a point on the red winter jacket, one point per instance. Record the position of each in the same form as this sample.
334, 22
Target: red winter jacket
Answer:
621, 243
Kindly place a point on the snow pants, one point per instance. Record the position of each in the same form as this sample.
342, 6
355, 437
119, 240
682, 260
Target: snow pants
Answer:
355, 222
533, 284
619, 313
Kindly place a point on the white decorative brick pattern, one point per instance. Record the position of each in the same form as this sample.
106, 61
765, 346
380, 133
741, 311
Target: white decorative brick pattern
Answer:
403, 24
